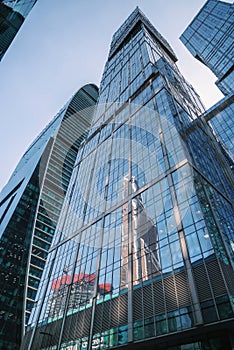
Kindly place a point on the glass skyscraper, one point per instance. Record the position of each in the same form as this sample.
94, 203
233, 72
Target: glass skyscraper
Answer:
210, 39
12, 16
30, 205
143, 251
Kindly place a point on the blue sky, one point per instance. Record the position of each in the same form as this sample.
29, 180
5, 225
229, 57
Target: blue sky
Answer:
64, 45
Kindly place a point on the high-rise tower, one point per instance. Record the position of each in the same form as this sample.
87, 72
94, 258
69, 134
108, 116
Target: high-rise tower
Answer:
30, 205
210, 39
147, 213
12, 16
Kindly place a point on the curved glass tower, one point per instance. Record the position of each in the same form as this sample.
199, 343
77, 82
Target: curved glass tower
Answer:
30, 205
143, 251
12, 16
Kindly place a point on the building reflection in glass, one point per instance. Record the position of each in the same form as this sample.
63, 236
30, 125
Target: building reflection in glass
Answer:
81, 293
144, 239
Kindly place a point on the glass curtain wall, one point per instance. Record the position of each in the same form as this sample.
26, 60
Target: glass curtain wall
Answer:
144, 246
30, 205
12, 16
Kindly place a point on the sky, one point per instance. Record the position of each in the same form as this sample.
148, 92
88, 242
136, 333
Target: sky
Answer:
63, 45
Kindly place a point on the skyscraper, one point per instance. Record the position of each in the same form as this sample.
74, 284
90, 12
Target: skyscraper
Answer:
30, 205
148, 213
210, 39
12, 16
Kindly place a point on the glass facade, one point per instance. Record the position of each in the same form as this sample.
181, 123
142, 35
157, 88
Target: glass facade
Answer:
30, 205
210, 39
220, 117
144, 246
12, 16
